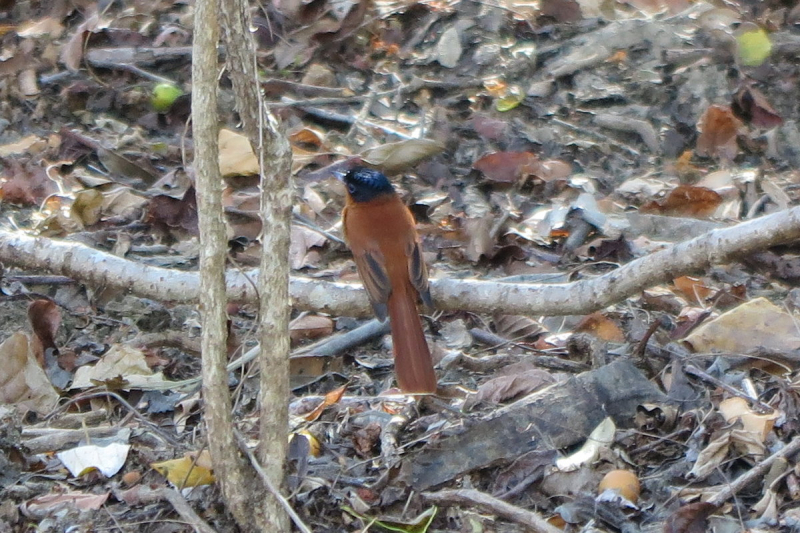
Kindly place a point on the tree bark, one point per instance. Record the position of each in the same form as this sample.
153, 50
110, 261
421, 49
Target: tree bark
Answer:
717, 247
237, 482
275, 155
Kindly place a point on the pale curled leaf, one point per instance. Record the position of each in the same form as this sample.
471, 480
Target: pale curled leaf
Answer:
601, 437
755, 324
236, 156
23, 383
107, 459
395, 157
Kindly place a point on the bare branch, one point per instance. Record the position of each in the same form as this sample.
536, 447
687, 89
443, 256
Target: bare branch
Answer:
719, 246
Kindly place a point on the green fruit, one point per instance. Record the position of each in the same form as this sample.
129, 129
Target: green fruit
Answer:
754, 46
164, 95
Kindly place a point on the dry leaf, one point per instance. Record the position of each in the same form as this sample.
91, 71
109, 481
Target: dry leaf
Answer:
601, 327
125, 171
50, 504
169, 213
753, 325
760, 424
711, 457
186, 471
25, 183
302, 241
331, 398
691, 518
752, 107
693, 289
23, 382
310, 327
396, 157
688, 201
87, 207
45, 318
236, 156
448, 50
120, 361
517, 327
718, 129
507, 167
22, 146
504, 388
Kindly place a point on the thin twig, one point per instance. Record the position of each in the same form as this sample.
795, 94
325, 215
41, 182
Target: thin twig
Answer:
121, 400
298, 522
694, 371
754, 473
475, 498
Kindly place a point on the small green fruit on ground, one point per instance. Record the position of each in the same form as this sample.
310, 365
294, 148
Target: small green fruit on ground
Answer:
164, 95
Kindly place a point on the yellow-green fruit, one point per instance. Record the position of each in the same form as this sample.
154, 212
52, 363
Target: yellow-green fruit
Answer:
164, 95
754, 46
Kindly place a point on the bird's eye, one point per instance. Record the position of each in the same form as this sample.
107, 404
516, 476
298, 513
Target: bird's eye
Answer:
351, 188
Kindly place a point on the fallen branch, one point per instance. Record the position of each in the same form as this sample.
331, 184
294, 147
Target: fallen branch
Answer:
475, 499
720, 246
757, 471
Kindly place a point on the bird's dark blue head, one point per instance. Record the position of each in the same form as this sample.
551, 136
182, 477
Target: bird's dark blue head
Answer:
365, 184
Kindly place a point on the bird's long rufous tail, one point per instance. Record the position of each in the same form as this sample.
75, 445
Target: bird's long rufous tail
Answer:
412, 358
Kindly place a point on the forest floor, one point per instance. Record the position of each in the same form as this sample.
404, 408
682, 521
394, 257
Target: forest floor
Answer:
546, 143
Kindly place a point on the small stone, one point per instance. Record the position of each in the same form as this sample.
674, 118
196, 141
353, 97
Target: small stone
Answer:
320, 76
487, 54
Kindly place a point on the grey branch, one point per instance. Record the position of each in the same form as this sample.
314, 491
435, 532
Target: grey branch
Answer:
719, 246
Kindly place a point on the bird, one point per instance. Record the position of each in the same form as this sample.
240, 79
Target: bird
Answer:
381, 233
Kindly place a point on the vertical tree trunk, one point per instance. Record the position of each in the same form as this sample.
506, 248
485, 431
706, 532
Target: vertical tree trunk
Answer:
244, 497
275, 154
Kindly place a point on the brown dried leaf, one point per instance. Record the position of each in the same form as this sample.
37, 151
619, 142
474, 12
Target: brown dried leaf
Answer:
489, 128
310, 327
553, 169
48, 504
507, 167
711, 457
367, 438
168, 212
87, 207
72, 51
45, 319
755, 324
691, 518
601, 327
507, 387
517, 327
331, 398
306, 136
480, 242
302, 241
686, 200
693, 289
752, 107
25, 183
23, 382
562, 11
718, 129
125, 171
29, 144
236, 156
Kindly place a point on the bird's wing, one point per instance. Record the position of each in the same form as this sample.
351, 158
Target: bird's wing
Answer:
376, 280
418, 272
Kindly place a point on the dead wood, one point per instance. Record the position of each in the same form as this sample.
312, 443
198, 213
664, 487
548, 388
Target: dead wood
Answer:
719, 246
559, 416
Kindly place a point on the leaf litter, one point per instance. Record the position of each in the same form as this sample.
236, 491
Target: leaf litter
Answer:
534, 143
